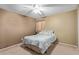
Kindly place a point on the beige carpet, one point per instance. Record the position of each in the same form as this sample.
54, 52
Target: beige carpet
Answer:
60, 49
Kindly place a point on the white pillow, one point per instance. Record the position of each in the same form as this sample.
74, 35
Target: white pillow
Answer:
46, 32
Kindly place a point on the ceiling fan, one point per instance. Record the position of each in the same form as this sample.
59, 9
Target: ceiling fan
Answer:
35, 9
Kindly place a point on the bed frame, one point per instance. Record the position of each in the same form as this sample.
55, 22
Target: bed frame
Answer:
37, 49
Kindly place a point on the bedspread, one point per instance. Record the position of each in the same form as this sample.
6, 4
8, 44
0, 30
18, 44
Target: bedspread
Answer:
40, 40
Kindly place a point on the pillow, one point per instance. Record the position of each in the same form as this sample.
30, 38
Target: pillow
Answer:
46, 32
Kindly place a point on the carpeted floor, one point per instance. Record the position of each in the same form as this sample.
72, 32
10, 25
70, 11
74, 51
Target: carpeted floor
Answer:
59, 49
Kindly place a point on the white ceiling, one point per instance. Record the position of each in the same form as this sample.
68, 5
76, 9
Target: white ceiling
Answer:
46, 9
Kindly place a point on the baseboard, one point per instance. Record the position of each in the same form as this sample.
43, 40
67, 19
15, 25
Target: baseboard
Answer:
68, 44
9, 47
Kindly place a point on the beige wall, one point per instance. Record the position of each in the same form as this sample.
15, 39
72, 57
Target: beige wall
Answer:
64, 25
78, 24
13, 27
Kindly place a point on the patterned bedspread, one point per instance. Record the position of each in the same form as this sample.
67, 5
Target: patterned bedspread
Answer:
43, 41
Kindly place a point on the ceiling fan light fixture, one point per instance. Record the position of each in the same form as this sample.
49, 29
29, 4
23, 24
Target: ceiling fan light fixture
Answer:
36, 6
36, 11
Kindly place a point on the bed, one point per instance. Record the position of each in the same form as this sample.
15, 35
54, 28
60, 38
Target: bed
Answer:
40, 42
